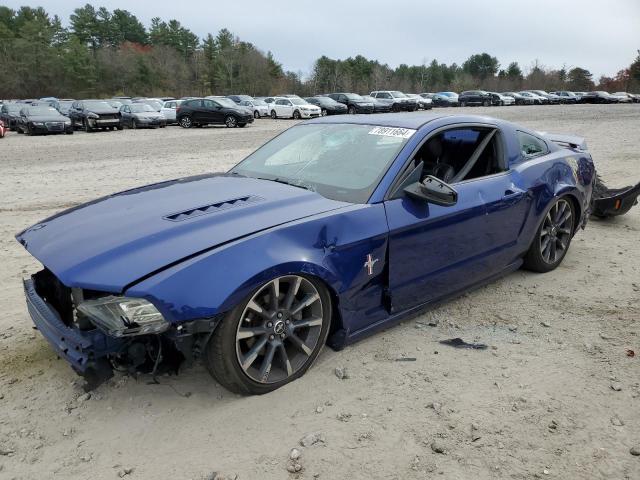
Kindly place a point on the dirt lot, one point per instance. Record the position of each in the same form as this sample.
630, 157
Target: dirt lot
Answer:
556, 395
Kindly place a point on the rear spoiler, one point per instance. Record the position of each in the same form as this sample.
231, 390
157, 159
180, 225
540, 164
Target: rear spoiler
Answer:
572, 141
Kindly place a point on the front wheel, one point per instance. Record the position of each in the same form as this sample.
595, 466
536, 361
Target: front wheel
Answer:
352, 110
274, 115
553, 237
256, 114
231, 121
486, 103
463, 103
296, 115
323, 112
271, 338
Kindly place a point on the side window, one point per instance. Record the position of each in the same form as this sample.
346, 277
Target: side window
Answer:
385, 95
209, 104
282, 102
531, 146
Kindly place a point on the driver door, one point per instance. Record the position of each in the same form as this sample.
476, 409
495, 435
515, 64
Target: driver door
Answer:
435, 251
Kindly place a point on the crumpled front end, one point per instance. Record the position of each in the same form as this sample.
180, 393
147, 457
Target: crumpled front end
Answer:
91, 350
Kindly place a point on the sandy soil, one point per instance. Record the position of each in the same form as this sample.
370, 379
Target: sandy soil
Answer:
555, 396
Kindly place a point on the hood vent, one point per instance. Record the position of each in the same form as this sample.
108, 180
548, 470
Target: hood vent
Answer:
212, 208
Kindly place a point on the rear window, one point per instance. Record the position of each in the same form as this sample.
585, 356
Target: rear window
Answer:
531, 146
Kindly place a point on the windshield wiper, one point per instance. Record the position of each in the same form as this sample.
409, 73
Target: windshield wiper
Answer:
299, 185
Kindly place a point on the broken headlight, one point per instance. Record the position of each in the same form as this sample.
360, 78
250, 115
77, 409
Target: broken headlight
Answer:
124, 316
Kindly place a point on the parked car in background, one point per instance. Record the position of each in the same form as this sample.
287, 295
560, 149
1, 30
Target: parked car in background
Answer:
123, 100
51, 101
43, 119
260, 108
9, 114
115, 103
500, 100
240, 98
424, 103
519, 99
292, 107
94, 115
599, 96
141, 115
64, 106
398, 101
267, 100
623, 97
327, 105
443, 99
474, 97
3, 129
169, 110
378, 106
354, 102
552, 99
536, 99
207, 111
567, 96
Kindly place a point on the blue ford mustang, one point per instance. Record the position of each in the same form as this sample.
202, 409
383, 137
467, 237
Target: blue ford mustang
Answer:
329, 232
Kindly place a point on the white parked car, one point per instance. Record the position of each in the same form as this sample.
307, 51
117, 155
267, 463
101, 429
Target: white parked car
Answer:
260, 108
292, 108
169, 110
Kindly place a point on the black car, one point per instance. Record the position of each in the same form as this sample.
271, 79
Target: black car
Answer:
9, 114
141, 115
599, 97
354, 102
328, 106
240, 98
64, 106
43, 119
92, 115
442, 99
474, 97
567, 97
208, 111
378, 106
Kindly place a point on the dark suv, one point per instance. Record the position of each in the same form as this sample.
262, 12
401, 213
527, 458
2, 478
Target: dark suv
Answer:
474, 97
94, 115
212, 111
354, 102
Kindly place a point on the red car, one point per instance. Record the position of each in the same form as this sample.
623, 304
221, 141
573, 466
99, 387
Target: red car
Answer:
3, 129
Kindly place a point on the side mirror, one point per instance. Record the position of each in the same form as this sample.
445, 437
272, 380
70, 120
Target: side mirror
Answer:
433, 191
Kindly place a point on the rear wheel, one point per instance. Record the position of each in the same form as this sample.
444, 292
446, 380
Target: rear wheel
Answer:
553, 237
351, 110
486, 103
271, 338
242, 125
256, 114
274, 115
463, 103
186, 122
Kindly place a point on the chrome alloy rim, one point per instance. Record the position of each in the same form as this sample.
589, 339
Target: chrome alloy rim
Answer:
556, 232
279, 329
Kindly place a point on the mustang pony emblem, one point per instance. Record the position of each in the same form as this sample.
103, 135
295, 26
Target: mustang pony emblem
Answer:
369, 264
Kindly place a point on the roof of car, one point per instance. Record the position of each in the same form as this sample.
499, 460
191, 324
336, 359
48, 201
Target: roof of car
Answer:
414, 120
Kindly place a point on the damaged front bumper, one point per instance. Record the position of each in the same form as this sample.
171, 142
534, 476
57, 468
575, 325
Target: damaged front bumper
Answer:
86, 351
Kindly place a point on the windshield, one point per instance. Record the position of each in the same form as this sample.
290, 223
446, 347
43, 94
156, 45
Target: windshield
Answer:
97, 106
42, 111
226, 102
342, 162
12, 107
448, 94
141, 107
298, 101
258, 102
114, 103
353, 96
398, 94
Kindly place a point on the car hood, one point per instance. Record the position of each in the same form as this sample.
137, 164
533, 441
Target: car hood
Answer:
47, 118
148, 114
101, 111
116, 240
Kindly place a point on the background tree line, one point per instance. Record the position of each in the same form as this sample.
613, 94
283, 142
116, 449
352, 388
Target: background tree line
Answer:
104, 53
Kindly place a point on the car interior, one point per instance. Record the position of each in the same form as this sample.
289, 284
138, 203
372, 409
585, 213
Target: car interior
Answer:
461, 154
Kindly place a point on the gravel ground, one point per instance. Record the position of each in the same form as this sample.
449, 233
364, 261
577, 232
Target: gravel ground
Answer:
556, 395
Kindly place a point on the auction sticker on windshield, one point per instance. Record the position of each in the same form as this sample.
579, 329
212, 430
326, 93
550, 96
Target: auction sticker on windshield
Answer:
392, 132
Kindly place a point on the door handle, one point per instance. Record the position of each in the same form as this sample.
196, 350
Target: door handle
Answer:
512, 193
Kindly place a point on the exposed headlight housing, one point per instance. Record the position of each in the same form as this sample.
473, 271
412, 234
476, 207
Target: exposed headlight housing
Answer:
38, 123
124, 316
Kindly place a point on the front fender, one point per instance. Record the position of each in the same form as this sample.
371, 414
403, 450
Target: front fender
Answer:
331, 246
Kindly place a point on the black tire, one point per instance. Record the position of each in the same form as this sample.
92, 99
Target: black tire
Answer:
222, 355
296, 115
274, 115
186, 122
561, 233
29, 131
86, 126
69, 132
119, 127
230, 121
463, 103
134, 124
19, 130
256, 114
351, 110
242, 125
486, 103
323, 112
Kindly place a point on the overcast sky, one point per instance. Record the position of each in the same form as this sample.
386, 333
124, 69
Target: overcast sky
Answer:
600, 36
